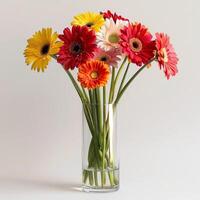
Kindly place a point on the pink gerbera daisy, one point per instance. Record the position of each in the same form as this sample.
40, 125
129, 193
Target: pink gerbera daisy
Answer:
110, 57
137, 44
166, 55
79, 45
108, 15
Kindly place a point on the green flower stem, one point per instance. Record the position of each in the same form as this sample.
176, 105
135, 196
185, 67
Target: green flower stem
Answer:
104, 136
85, 176
117, 77
90, 96
112, 84
130, 81
92, 107
85, 94
104, 154
99, 120
104, 103
91, 178
111, 178
93, 161
96, 177
99, 112
76, 86
94, 111
123, 79
95, 122
92, 103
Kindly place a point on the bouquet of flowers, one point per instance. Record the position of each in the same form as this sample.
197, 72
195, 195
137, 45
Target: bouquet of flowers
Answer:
100, 48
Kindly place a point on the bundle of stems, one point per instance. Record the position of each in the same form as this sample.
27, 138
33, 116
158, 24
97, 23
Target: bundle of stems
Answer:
95, 103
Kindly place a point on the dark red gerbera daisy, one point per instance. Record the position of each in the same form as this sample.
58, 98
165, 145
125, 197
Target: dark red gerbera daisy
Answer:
108, 14
79, 46
137, 44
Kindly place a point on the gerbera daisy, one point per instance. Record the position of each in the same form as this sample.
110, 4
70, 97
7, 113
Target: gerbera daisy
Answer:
41, 46
108, 14
166, 55
79, 46
137, 44
110, 57
89, 19
93, 74
109, 35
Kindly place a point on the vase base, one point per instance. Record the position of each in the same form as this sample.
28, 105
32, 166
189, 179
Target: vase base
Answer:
97, 180
94, 189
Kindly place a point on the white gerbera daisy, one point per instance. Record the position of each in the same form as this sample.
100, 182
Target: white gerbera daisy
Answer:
108, 36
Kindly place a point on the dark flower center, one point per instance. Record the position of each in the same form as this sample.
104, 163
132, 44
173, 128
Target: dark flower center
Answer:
45, 49
136, 45
104, 58
76, 48
89, 24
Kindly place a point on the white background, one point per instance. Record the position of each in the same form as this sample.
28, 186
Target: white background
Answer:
40, 113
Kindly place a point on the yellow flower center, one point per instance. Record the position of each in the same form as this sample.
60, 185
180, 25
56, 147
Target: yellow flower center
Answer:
135, 44
164, 55
113, 38
94, 74
45, 49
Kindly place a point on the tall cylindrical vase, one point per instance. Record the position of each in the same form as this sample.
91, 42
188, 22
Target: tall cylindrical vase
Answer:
100, 161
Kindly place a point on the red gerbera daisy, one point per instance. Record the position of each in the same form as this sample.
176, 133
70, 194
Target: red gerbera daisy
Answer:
108, 14
137, 44
79, 46
166, 55
93, 74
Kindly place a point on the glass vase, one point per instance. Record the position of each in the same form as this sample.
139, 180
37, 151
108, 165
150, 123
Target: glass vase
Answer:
100, 162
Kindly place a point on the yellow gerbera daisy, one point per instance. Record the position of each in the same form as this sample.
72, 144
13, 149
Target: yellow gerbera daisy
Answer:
41, 46
90, 19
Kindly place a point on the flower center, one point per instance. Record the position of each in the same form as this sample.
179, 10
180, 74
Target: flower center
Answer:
45, 49
113, 38
94, 74
75, 48
164, 55
89, 24
104, 58
135, 44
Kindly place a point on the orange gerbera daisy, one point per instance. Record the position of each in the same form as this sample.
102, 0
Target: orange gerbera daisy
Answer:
93, 74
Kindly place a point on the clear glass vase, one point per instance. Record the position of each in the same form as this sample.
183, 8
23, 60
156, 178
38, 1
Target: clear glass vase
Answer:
100, 162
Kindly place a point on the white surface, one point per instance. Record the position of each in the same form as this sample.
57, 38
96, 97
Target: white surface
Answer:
40, 114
